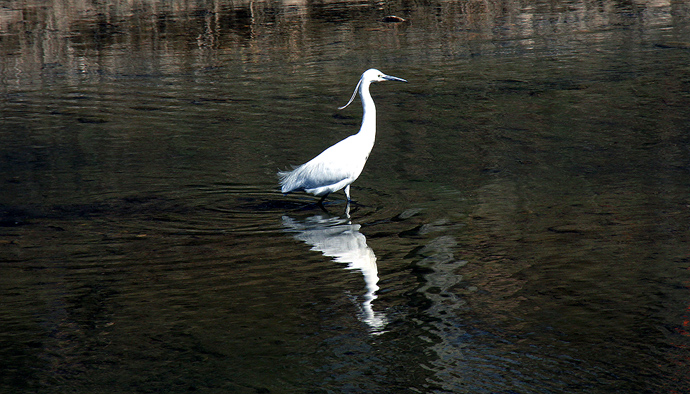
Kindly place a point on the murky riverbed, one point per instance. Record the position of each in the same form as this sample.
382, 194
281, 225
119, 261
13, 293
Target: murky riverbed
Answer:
520, 227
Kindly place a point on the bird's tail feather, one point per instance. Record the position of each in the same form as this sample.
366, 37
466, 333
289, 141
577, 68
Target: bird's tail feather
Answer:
288, 181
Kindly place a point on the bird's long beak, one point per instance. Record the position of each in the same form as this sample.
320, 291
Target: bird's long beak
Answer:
392, 78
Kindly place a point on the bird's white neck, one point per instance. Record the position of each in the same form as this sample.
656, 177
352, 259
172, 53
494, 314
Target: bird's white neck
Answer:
368, 127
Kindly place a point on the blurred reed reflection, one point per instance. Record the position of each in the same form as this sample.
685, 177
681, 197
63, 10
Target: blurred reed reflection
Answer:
340, 239
68, 39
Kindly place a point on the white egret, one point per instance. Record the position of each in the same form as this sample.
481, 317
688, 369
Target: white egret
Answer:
338, 166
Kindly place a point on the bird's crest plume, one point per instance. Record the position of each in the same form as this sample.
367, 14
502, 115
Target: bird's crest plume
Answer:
354, 94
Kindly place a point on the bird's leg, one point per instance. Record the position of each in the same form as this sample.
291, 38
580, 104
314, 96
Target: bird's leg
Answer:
323, 208
347, 194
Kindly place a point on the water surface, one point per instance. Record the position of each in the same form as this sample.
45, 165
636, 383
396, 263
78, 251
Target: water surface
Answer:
521, 226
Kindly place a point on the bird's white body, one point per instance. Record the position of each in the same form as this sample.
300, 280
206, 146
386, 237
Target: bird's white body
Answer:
338, 166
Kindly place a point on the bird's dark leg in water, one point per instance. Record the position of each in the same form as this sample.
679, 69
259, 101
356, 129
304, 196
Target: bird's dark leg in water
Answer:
321, 203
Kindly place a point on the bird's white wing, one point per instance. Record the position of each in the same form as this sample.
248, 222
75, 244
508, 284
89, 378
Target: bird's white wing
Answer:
331, 167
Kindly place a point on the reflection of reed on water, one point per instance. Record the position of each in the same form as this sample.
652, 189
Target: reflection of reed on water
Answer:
83, 37
338, 238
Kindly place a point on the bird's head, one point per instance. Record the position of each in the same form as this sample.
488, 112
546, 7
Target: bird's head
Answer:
374, 75
369, 76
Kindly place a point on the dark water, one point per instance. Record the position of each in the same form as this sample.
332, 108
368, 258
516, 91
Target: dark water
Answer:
521, 226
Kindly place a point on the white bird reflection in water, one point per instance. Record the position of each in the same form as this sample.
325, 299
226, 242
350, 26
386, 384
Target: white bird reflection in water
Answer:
340, 239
